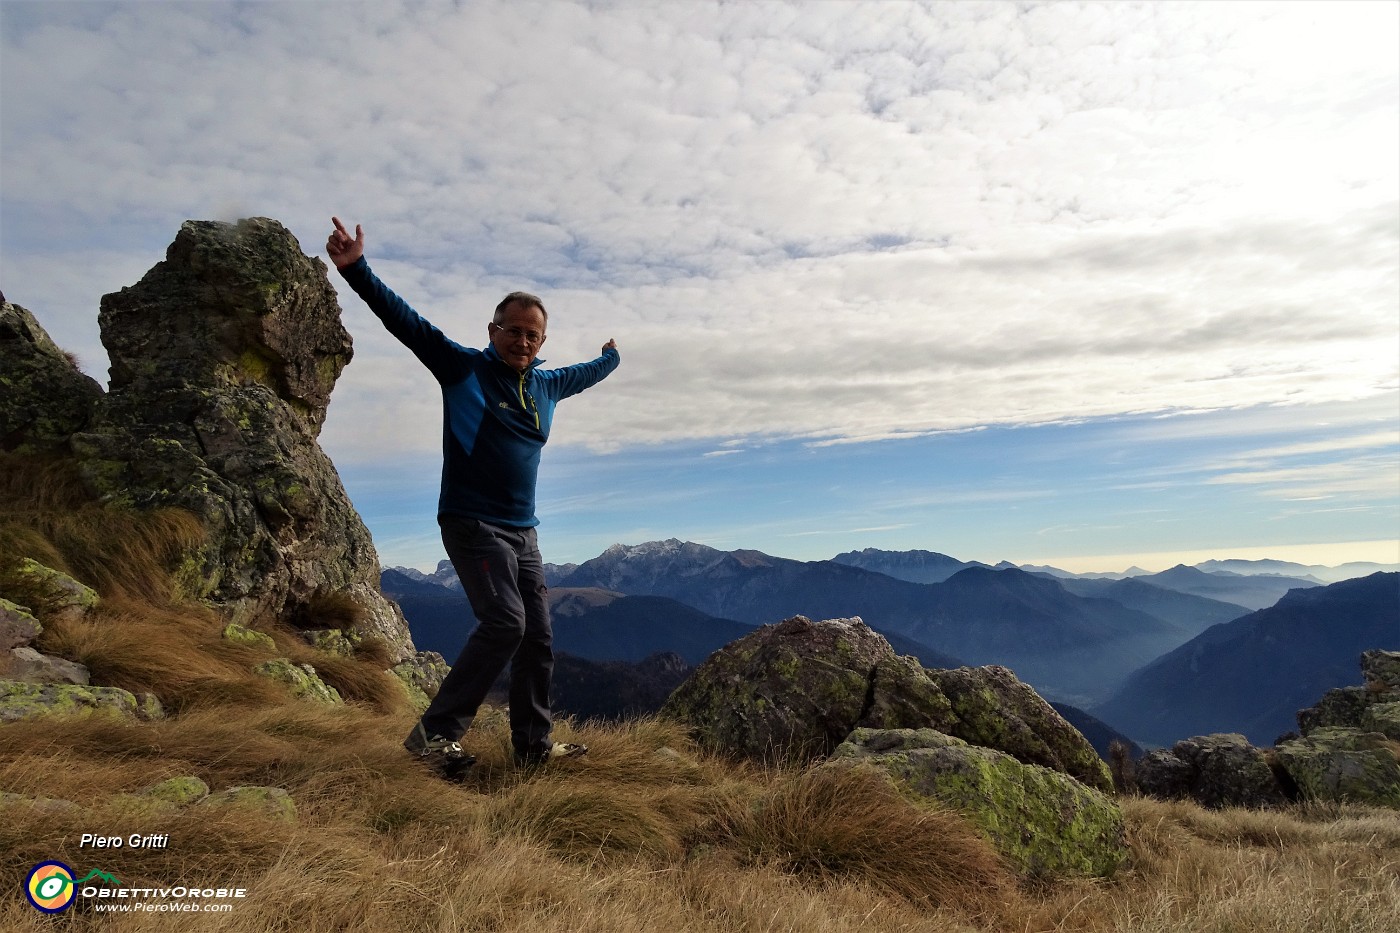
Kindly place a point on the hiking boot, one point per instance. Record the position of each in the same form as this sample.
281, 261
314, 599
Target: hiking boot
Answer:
444, 757
555, 752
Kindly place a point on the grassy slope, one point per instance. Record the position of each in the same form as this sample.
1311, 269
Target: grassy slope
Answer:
646, 834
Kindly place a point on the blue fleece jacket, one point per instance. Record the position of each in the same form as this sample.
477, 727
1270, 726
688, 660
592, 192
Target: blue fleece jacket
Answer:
495, 419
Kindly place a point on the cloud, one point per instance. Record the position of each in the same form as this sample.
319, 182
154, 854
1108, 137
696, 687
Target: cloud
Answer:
824, 221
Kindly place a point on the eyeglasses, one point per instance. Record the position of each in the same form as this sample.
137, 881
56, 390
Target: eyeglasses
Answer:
514, 333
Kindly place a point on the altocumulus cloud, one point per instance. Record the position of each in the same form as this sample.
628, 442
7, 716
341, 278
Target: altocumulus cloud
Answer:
828, 221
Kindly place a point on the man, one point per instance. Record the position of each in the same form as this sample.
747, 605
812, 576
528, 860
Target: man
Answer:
497, 411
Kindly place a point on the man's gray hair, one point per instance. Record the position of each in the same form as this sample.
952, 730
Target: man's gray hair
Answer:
524, 298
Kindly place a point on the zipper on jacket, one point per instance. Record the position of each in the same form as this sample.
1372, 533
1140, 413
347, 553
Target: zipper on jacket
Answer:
528, 406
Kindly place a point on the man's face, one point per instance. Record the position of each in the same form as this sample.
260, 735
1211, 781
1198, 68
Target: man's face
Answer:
519, 336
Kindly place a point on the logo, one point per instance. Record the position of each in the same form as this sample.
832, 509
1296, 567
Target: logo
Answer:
50, 887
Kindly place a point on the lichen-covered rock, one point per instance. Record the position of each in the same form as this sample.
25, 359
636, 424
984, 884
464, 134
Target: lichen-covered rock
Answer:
223, 358
1042, 820
179, 791
795, 690
426, 670
27, 665
27, 701
48, 592
1342, 707
47, 805
242, 635
1217, 771
421, 676
1383, 718
306, 684
1381, 668
272, 801
18, 627
1343, 765
148, 707
332, 641
44, 398
1352, 707
994, 709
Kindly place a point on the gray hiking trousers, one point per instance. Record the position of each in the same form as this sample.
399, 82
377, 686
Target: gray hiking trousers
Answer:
503, 574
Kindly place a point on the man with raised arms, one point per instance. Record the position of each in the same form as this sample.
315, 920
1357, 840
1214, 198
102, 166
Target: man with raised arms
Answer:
498, 405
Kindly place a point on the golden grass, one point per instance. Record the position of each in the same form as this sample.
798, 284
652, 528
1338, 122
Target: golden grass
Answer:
647, 833
46, 514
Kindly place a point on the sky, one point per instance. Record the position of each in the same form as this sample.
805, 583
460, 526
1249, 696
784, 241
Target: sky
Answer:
1083, 284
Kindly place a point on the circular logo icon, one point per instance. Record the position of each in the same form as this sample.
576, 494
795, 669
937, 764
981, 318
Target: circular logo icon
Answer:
49, 887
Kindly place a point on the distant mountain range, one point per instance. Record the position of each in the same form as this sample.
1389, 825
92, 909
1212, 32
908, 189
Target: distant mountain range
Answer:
1225, 581
1076, 638
1253, 674
1073, 648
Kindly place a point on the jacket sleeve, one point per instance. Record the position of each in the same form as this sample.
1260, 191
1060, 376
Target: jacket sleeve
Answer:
447, 360
571, 380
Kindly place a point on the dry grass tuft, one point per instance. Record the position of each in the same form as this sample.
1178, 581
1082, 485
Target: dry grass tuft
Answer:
851, 822
176, 654
329, 609
46, 513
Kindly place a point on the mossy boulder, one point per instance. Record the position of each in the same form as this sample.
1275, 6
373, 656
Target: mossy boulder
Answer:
179, 791
27, 701
303, 680
332, 641
421, 676
269, 801
242, 635
1343, 765
794, 691
1041, 820
994, 709
46, 591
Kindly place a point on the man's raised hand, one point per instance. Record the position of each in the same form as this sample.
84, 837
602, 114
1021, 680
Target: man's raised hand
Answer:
342, 247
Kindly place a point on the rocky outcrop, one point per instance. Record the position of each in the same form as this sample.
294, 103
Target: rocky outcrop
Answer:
1042, 820
20, 700
1343, 764
1350, 743
1370, 706
1214, 770
223, 360
44, 397
1349, 751
797, 689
